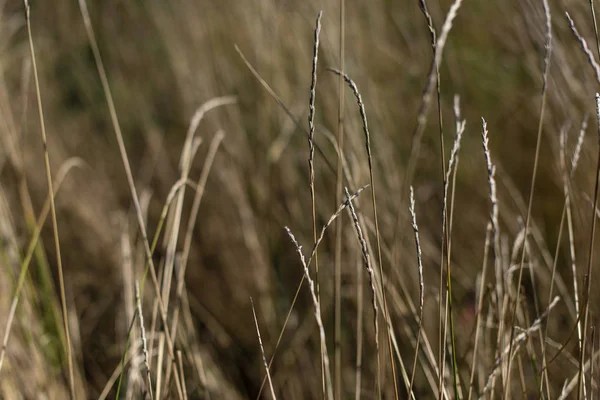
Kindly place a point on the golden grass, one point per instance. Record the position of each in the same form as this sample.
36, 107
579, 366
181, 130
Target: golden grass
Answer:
482, 298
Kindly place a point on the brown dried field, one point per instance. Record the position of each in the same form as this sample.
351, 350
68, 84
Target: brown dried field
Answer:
299, 199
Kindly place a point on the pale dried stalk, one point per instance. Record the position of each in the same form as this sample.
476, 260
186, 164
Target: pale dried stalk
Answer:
61, 278
201, 186
144, 342
494, 219
159, 363
371, 272
440, 44
566, 212
339, 210
517, 340
122, 150
337, 262
548, 53
60, 176
446, 236
311, 286
311, 161
570, 386
262, 351
359, 328
415, 227
586, 299
488, 234
187, 155
386, 316
584, 47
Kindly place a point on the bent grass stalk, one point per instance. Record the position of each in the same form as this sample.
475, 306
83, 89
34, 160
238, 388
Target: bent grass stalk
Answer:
371, 272
317, 307
386, 315
124, 158
337, 213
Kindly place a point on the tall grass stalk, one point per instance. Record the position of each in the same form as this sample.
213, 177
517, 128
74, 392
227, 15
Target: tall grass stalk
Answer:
311, 166
547, 57
415, 227
61, 278
317, 307
372, 281
123, 152
386, 315
188, 152
337, 262
486, 248
446, 235
568, 175
586, 298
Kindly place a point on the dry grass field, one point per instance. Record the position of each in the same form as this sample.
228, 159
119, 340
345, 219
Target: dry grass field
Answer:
254, 199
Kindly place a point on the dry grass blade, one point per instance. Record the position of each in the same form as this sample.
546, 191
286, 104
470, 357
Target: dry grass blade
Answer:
593, 12
359, 329
566, 214
201, 185
181, 373
337, 213
386, 315
433, 76
187, 155
415, 227
572, 383
60, 176
61, 278
584, 47
488, 234
311, 286
123, 152
262, 351
427, 15
578, 147
427, 92
494, 219
586, 299
574, 164
118, 371
446, 234
337, 267
517, 340
285, 108
311, 160
547, 56
144, 342
371, 272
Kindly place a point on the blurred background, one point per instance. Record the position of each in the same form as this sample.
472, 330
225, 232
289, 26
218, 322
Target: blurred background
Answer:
164, 60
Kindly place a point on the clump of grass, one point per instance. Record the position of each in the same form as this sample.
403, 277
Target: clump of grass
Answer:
199, 238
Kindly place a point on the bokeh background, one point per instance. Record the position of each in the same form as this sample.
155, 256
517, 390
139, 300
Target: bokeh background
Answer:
164, 60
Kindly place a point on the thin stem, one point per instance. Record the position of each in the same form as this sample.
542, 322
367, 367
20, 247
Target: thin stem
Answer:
339, 225
586, 298
61, 278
